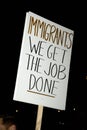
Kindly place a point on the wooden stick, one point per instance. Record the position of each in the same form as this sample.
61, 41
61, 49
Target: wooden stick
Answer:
39, 117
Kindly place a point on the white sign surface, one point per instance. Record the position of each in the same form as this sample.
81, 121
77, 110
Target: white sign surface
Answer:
44, 63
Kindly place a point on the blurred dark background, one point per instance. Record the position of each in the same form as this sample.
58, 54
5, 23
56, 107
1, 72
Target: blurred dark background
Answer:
68, 14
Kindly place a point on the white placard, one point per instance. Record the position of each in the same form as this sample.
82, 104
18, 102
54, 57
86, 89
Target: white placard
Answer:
44, 63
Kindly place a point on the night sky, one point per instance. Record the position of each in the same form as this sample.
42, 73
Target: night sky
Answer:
12, 19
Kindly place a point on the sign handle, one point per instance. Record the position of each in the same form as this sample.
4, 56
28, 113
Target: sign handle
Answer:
39, 117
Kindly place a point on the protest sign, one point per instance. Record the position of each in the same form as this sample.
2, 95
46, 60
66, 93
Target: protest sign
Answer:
44, 63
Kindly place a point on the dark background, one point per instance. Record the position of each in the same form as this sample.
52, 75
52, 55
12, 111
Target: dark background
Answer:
70, 15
